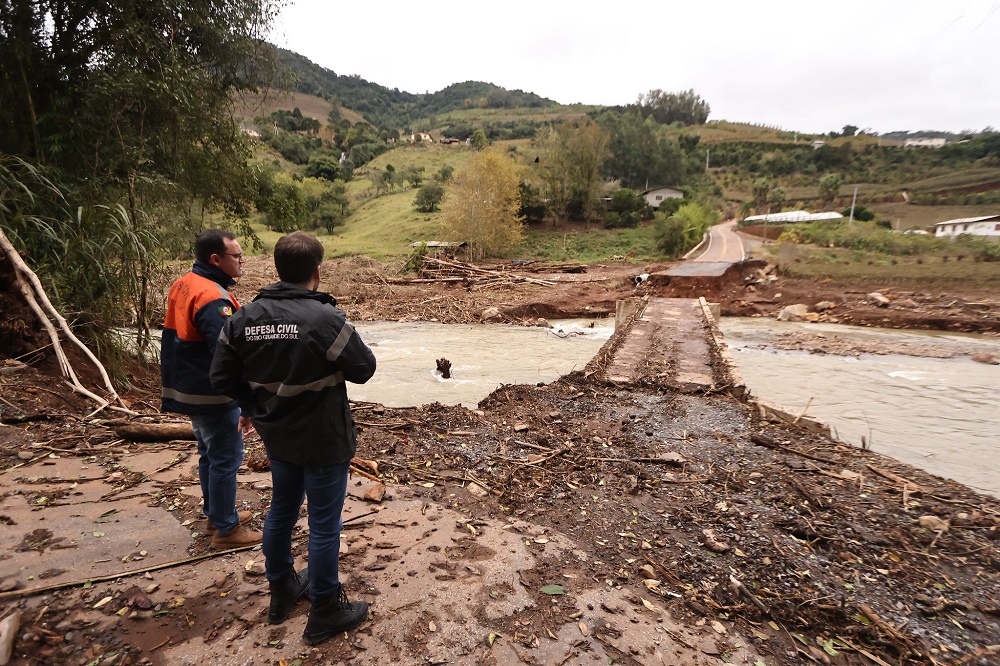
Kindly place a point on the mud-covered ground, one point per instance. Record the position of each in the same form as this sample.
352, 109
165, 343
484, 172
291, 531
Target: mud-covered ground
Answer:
724, 537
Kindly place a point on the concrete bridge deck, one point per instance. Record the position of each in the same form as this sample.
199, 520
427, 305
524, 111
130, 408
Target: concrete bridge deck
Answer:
670, 343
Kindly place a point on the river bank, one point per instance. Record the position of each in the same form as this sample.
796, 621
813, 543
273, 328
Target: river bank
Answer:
573, 522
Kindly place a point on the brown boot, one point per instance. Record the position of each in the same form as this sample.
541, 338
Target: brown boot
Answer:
238, 536
245, 517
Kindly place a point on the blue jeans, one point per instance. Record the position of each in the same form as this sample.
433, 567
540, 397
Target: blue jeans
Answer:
220, 454
326, 488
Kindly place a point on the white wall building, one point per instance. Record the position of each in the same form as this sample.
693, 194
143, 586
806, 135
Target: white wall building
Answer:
924, 143
656, 196
794, 216
987, 225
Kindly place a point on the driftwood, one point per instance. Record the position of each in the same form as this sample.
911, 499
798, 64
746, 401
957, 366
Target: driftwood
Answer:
137, 431
32, 290
436, 269
444, 367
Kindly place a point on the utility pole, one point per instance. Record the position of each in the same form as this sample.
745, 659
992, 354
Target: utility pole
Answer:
850, 220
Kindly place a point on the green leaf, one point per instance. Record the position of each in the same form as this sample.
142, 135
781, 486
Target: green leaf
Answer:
493, 637
828, 646
553, 589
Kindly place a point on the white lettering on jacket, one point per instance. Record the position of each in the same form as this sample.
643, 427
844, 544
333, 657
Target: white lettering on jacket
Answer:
271, 332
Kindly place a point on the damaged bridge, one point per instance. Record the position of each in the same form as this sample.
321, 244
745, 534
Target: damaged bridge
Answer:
669, 342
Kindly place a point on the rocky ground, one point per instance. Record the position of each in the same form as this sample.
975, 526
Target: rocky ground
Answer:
576, 522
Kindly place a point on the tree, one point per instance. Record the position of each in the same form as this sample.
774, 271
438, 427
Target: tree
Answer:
444, 174
625, 209
282, 203
326, 203
324, 166
428, 197
134, 98
572, 155
482, 207
639, 156
413, 175
777, 199
131, 104
684, 107
829, 188
761, 193
684, 229
335, 116
479, 140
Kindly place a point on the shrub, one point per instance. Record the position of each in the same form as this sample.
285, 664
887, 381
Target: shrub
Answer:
428, 197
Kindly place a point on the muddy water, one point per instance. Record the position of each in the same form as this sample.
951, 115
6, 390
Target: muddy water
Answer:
940, 414
482, 358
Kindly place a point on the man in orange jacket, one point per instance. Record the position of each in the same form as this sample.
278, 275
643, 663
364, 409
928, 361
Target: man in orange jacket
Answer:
198, 305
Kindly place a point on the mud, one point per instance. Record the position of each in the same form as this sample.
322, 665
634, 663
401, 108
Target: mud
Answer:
642, 504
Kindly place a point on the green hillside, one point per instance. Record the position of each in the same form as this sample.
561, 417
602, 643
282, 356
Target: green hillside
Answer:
392, 107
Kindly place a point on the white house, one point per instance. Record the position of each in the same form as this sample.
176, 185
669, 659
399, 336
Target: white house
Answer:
421, 136
656, 196
987, 225
924, 143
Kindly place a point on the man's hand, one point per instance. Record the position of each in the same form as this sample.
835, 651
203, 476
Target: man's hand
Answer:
246, 425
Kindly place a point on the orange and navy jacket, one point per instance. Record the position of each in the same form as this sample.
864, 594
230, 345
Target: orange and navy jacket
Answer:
197, 307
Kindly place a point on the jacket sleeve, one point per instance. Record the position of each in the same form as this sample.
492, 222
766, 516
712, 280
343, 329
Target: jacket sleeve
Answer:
211, 317
349, 354
226, 373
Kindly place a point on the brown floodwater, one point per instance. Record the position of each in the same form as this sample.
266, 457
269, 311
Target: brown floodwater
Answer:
483, 357
939, 414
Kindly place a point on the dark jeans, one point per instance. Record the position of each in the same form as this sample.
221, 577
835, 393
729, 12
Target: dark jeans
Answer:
326, 488
220, 453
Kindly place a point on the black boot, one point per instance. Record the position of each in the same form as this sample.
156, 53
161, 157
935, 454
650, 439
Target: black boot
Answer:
284, 594
332, 615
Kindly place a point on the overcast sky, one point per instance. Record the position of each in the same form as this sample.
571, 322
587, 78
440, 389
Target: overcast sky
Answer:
800, 65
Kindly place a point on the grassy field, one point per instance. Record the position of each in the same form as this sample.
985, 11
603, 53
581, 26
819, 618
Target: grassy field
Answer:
538, 114
250, 105
905, 216
843, 265
957, 179
583, 245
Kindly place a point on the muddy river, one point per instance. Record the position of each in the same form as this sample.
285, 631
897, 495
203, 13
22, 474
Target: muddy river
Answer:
482, 358
940, 414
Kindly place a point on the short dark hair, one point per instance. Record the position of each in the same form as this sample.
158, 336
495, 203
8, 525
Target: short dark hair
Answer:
211, 241
296, 256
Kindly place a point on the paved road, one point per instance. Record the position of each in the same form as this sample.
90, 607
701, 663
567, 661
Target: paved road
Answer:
724, 244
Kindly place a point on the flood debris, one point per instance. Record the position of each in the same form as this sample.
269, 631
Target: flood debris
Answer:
614, 493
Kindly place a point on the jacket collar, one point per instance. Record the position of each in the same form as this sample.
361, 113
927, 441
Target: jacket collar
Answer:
286, 290
213, 273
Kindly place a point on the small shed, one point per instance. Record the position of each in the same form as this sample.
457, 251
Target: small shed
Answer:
655, 196
986, 225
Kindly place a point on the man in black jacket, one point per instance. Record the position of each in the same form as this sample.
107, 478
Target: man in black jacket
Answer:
285, 357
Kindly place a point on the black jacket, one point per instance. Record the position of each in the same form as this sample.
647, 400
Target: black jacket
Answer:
285, 358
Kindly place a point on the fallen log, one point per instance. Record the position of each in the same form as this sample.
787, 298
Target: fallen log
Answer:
152, 432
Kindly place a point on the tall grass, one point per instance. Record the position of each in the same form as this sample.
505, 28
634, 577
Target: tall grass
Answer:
97, 264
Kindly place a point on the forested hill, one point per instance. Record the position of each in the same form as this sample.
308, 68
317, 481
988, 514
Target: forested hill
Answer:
379, 105
393, 107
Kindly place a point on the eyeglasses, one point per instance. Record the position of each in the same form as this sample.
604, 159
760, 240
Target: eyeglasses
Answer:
239, 257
